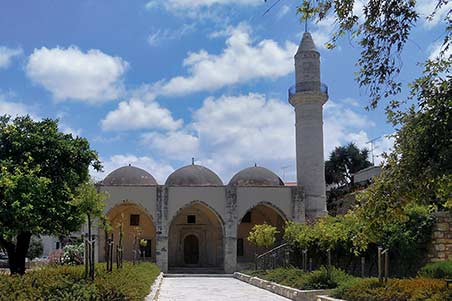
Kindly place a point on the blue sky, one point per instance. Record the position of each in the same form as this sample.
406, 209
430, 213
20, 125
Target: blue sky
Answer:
155, 83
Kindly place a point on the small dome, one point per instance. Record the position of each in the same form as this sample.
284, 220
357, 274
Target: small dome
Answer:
256, 176
129, 175
193, 175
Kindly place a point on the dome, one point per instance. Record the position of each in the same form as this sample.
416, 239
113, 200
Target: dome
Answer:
129, 175
256, 176
193, 175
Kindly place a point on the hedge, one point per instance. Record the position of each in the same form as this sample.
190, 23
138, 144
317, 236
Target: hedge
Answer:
439, 270
296, 278
132, 282
414, 289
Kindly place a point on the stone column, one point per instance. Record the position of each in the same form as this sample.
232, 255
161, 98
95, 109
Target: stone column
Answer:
162, 228
230, 230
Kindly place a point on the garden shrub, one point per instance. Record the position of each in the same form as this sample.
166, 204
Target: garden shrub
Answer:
439, 270
73, 254
414, 289
296, 278
53, 283
321, 279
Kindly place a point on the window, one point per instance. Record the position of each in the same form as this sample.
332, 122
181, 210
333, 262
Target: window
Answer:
247, 218
148, 248
191, 219
57, 245
134, 219
240, 247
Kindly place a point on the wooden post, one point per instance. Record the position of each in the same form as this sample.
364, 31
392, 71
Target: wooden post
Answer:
363, 264
329, 258
379, 264
85, 256
386, 264
93, 252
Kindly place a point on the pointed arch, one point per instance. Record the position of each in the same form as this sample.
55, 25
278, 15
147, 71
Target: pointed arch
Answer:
137, 223
196, 219
258, 213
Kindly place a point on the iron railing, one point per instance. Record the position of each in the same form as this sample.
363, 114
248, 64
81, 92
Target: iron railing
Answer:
308, 87
275, 258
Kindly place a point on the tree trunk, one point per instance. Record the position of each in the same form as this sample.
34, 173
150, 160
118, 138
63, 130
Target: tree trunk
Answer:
17, 252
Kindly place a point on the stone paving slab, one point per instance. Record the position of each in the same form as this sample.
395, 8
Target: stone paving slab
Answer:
212, 289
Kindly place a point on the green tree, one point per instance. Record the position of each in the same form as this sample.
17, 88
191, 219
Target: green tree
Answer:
40, 170
263, 235
90, 203
343, 162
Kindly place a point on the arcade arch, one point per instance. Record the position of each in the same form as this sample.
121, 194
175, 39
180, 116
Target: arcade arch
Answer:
137, 224
196, 238
259, 214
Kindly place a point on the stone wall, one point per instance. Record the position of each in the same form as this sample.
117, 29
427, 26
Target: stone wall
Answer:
441, 245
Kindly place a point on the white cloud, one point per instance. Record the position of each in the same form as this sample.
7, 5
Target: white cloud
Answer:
160, 171
239, 62
322, 31
176, 144
72, 74
237, 131
135, 114
158, 37
343, 125
435, 51
7, 55
427, 7
283, 11
10, 106
13, 108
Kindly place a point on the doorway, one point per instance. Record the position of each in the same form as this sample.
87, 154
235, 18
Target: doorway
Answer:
191, 249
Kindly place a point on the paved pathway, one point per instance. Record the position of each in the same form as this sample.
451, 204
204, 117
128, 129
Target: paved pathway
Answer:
212, 289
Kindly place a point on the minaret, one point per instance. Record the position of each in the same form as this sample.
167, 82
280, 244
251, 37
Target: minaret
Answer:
308, 97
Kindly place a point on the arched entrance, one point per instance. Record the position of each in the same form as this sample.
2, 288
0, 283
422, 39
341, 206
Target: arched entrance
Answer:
257, 215
196, 238
136, 225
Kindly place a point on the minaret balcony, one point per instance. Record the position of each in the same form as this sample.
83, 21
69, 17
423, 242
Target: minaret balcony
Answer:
310, 87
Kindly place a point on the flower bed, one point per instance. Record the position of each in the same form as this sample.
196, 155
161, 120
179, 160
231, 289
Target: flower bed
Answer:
132, 282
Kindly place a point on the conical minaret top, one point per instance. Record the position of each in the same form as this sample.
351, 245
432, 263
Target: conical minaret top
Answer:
307, 65
308, 96
306, 43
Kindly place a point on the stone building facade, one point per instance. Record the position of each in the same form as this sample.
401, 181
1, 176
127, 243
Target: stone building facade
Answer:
194, 220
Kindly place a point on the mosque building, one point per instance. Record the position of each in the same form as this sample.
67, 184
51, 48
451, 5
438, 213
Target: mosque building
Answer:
195, 220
